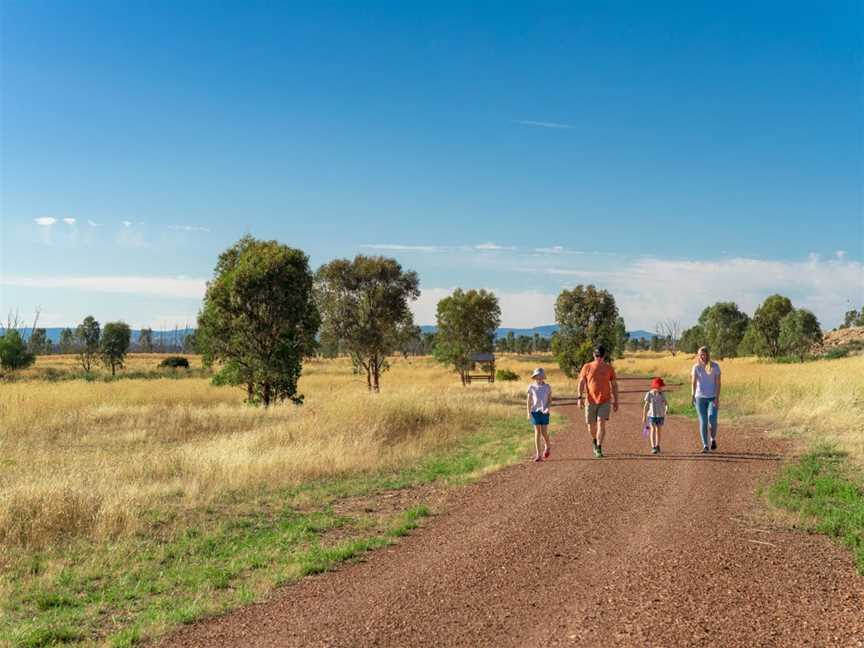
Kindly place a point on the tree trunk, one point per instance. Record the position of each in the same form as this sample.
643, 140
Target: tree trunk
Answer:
376, 375
369, 377
113, 369
250, 391
265, 394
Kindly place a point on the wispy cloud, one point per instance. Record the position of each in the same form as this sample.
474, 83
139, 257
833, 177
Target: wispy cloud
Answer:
45, 221
142, 285
189, 228
127, 223
543, 124
557, 249
69, 221
395, 247
93, 224
493, 246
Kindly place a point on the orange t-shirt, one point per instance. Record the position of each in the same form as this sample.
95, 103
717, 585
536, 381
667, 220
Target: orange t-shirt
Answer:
600, 377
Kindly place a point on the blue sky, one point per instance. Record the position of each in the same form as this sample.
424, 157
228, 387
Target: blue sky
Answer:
675, 153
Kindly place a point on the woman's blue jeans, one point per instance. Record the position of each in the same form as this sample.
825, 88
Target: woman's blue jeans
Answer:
707, 416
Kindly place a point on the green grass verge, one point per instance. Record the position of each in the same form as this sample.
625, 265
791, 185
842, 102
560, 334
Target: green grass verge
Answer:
122, 593
827, 493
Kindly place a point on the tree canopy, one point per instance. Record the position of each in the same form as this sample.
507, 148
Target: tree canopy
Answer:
364, 310
114, 345
586, 317
466, 325
259, 319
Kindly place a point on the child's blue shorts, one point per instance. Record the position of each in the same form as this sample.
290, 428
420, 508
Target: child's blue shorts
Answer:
657, 420
539, 418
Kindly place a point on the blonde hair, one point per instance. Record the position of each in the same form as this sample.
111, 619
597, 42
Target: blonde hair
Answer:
709, 366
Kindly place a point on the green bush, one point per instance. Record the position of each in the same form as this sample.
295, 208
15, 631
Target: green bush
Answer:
175, 362
835, 353
506, 375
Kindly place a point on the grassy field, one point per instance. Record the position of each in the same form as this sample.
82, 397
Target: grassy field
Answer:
131, 505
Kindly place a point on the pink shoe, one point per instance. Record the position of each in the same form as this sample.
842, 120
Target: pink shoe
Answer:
546, 453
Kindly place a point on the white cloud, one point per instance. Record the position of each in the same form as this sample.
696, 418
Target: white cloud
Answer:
45, 221
127, 223
189, 228
402, 248
557, 249
93, 224
542, 124
69, 221
493, 246
155, 285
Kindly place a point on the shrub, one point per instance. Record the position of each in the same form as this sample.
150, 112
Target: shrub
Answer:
835, 353
175, 362
506, 375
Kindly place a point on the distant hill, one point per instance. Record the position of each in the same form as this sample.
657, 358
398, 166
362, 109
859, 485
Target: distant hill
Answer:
545, 331
159, 337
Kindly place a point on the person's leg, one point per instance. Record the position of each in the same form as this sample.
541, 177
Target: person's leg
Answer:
654, 436
659, 429
712, 422
601, 431
702, 410
536, 442
544, 431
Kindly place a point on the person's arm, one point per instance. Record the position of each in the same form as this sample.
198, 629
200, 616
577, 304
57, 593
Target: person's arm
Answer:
528, 405
717, 392
614, 394
583, 382
645, 410
693, 385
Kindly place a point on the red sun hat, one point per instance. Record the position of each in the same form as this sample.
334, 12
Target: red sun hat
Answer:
657, 383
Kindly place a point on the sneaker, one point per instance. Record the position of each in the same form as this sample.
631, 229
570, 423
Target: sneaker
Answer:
598, 452
658, 449
546, 453
594, 445
538, 458
713, 444
655, 450
705, 450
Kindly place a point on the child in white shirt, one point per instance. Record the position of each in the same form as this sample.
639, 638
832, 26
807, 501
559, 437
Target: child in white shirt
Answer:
539, 399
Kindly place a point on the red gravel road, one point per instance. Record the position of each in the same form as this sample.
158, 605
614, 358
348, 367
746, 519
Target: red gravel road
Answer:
628, 550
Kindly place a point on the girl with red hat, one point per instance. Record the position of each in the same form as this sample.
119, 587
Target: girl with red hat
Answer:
654, 411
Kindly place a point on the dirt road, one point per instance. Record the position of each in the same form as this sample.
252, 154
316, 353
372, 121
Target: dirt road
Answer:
628, 550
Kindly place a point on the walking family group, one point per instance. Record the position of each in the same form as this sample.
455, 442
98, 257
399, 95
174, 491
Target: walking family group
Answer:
598, 397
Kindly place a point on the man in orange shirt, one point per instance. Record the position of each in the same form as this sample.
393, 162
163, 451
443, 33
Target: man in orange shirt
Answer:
598, 379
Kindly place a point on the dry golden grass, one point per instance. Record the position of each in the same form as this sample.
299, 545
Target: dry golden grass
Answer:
100, 460
817, 401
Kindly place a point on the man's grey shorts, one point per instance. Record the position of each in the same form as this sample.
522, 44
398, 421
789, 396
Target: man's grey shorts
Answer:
595, 411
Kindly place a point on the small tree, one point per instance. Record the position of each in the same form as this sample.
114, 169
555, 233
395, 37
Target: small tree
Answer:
87, 341
724, 326
670, 330
145, 340
259, 319
799, 331
67, 341
114, 345
14, 354
692, 338
586, 318
466, 325
853, 318
766, 322
364, 305
39, 344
